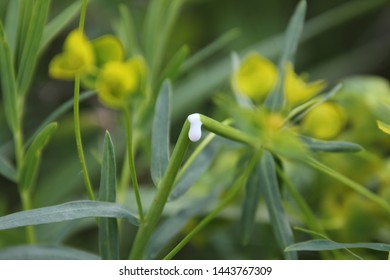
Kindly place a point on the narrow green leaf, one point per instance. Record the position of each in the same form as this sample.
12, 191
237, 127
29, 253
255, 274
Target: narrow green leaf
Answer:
61, 110
11, 24
211, 49
270, 187
66, 212
241, 99
325, 245
194, 171
300, 111
108, 227
171, 227
8, 82
160, 133
384, 127
7, 170
128, 28
57, 24
31, 45
249, 206
32, 160
174, 65
24, 22
362, 190
45, 252
317, 145
275, 100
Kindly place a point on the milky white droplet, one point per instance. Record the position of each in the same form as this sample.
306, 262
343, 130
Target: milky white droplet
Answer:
195, 132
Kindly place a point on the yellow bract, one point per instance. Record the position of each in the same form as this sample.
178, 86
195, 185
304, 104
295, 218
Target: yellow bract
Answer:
324, 122
117, 81
78, 58
296, 90
255, 77
107, 48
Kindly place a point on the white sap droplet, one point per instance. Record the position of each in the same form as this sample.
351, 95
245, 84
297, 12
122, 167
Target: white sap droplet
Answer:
195, 132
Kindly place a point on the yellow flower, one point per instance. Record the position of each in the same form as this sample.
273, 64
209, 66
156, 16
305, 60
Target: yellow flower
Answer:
324, 121
117, 81
255, 77
296, 90
78, 58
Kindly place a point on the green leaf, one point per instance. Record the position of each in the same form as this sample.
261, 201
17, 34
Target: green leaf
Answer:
171, 227
317, 145
32, 160
108, 227
174, 65
66, 212
210, 49
362, 190
242, 100
384, 127
275, 99
8, 82
24, 22
160, 133
249, 206
57, 113
298, 112
31, 45
7, 170
45, 252
270, 187
159, 24
194, 171
11, 24
324, 245
57, 24
128, 31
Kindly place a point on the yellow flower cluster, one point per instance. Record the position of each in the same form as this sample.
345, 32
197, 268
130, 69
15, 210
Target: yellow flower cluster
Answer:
101, 65
256, 77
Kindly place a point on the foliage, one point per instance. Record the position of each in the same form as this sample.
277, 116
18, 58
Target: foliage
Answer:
290, 151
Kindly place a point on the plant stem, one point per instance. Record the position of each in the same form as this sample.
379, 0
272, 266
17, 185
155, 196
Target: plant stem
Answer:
229, 132
130, 157
229, 197
19, 149
26, 204
352, 184
153, 216
79, 143
83, 13
76, 114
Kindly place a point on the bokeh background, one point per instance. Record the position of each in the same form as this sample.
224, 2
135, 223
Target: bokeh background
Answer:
352, 38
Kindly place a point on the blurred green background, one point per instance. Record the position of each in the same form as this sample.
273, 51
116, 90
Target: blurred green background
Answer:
357, 42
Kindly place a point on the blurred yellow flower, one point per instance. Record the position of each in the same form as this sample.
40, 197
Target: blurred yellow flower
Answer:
78, 58
324, 121
296, 90
255, 77
117, 81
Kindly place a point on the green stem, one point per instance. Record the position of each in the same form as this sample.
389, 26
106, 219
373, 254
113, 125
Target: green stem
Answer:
153, 216
311, 221
79, 143
228, 132
83, 13
130, 157
76, 114
352, 184
19, 149
26, 204
229, 197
